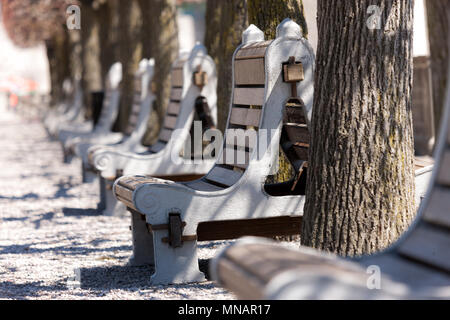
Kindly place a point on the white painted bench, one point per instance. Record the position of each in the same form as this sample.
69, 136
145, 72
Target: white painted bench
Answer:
231, 200
101, 133
416, 267
69, 115
194, 82
137, 124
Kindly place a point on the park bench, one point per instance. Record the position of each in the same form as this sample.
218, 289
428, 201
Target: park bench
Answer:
101, 133
416, 267
193, 96
137, 123
69, 115
272, 97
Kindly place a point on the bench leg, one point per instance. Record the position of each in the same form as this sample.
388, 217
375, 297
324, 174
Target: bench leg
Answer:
175, 265
88, 176
113, 208
101, 206
142, 241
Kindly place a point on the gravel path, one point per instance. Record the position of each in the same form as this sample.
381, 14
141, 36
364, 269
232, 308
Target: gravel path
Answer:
50, 232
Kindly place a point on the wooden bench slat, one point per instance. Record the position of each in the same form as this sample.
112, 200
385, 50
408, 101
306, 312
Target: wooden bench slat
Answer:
165, 135
249, 96
170, 122
173, 108
438, 210
297, 133
253, 50
245, 116
428, 245
241, 142
177, 77
157, 147
248, 72
203, 186
176, 93
444, 171
223, 176
237, 158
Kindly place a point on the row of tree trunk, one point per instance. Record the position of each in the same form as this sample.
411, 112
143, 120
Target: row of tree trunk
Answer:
360, 194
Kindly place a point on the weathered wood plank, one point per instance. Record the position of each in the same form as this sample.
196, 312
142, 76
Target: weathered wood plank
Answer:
438, 210
428, 245
249, 96
165, 135
173, 108
177, 77
247, 140
176, 93
253, 50
245, 116
248, 72
203, 186
170, 122
297, 132
157, 147
233, 229
237, 158
223, 176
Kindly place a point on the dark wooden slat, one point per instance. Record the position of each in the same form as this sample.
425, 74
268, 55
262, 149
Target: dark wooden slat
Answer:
170, 122
177, 77
201, 185
297, 132
165, 135
175, 94
223, 176
249, 96
233, 229
173, 108
253, 50
230, 157
157, 147
245, 116
249, 72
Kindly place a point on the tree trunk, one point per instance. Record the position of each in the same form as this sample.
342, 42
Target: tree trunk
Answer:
360, 195
130, 53
90, 40
225, 22
267, 15
160, 35
58, 53
108, 15
438, 25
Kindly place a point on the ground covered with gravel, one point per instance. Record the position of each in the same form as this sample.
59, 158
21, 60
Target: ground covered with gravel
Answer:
53, 243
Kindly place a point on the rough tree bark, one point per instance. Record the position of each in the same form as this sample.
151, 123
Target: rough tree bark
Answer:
91, 52
160, 32
360, 195
438, 25
225, 22
267, 15
108, 15
58, 55
129, 53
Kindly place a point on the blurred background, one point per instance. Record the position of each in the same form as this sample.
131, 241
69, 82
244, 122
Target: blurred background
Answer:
39, 51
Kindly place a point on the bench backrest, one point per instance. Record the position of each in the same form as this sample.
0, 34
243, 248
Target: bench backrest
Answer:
429, 241
141, 96
111, 100
258, 99
183, 95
